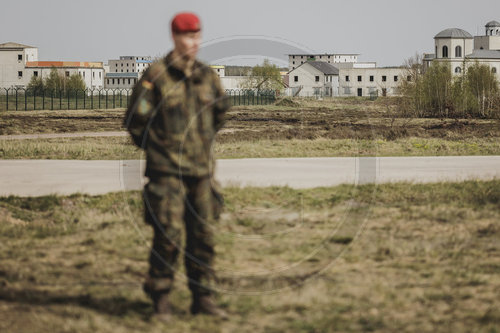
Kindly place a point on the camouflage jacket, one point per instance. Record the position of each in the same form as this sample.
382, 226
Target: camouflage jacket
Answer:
175, 118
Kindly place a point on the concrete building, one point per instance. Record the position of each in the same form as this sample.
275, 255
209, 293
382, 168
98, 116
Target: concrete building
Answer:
92, 73
380, 81
219, 69
344, 79
314, 78
461, 49
124, 72
295, 60
121, 80
130, 64
13, 59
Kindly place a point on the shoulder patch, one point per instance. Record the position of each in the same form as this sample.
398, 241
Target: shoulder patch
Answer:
147, 85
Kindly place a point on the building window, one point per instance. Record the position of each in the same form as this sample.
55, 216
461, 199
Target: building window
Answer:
116, 65
293, 57
458, 70
295, 78
99, 74
121, 64
458, 52
395, 78
84, 74
67, 73
128, 81
19, 57
445, 51
328, 57
35, 73
384, 78
20, 74
359, 78
107, 81
317, 78
372, 78
494, 70
347, 78
113, 81
127, 64
293, 62
127, 70
135, 80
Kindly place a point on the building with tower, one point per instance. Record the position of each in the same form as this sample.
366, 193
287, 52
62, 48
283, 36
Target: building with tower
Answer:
460, 49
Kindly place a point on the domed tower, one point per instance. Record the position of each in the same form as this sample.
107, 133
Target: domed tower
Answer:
491, 40
492, 28
453, 43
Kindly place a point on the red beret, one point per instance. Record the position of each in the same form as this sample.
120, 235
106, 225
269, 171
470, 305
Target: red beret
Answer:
185, 22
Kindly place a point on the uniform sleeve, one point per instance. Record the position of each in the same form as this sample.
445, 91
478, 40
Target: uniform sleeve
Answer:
141, 109
221, 105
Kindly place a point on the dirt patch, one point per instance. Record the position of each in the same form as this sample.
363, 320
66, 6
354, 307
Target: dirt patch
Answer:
286, 102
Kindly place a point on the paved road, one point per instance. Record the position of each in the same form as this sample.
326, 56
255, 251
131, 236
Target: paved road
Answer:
40, 177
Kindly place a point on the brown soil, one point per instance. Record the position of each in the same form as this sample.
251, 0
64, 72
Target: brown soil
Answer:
252, 123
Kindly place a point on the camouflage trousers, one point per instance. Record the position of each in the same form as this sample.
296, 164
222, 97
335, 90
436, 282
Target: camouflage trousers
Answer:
171, 204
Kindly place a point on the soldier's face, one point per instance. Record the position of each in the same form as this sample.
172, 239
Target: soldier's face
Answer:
187, 43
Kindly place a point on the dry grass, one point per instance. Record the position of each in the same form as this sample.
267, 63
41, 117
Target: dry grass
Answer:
112, 148
387, 258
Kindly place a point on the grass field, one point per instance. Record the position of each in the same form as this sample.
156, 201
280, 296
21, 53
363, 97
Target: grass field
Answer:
111, 148
339, 127
386, 258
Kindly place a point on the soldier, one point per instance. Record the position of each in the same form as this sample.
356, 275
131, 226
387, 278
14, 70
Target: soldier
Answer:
175, 110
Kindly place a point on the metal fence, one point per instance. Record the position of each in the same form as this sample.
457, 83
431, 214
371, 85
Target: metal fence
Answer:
251, 96
28, 99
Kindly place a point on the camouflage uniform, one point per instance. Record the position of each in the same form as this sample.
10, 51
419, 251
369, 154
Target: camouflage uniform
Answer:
175, 117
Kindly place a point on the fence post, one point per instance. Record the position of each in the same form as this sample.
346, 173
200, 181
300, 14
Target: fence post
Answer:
25, 100
113, 98
43, 99
7, 100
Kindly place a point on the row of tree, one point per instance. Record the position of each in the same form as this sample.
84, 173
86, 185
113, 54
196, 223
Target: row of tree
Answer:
437, 92
57, 82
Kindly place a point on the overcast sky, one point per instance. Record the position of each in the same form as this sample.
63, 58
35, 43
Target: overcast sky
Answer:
385, 31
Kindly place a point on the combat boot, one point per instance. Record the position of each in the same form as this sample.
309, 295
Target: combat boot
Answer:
161, 304
205, 304
162, 307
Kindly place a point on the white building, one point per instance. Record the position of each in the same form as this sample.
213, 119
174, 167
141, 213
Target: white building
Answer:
121, 80
123, 73
460, 49
219, 69
13, 59
319, 78
130, 64
295, 60
380, 81
314, 78
92, 73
